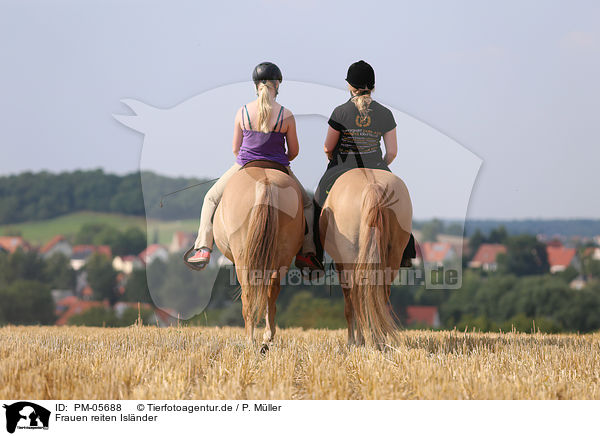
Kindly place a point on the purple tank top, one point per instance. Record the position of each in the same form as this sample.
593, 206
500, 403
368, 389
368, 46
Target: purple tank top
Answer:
262, 146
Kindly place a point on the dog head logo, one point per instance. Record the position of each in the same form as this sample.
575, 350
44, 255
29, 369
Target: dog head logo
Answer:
26, 415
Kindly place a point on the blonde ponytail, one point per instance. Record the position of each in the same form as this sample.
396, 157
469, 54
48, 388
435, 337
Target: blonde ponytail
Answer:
265, 104
362, 101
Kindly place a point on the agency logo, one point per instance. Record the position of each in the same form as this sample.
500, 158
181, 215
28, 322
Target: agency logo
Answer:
26, 415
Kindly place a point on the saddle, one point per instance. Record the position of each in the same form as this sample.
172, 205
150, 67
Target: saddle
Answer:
263, 163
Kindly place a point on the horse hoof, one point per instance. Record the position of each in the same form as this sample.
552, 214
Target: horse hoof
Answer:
264, 349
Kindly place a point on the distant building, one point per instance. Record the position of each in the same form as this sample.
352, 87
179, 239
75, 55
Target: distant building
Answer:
560, 258
70, 306
81, 253
181, 242
58, 244
435, 253
11, 243
592, 253
127, 264
427, 315
153, 252
578, 283
486, 257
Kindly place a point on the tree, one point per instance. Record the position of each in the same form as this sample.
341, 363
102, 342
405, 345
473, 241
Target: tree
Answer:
27, 302
525, 255
475, 241
58, 272
102, 277
131, 241
431, 229
136, 288
498, 235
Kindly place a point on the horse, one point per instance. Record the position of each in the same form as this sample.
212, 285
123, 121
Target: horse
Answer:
259, 226
365, 225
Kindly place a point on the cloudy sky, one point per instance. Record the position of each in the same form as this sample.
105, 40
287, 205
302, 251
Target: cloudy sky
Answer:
516, 83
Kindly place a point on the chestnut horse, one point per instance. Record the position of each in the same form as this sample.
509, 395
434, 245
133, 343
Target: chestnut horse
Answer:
259, 226
365, 226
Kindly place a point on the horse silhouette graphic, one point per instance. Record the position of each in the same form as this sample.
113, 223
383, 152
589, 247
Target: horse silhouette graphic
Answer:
28, 415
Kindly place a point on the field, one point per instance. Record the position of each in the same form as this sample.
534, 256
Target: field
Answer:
143, 362
40, 232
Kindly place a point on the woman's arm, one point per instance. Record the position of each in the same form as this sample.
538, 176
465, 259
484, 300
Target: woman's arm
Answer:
291, 136
331, 141
237, 132
391, 146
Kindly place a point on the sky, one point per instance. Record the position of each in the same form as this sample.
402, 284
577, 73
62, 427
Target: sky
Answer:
513, 82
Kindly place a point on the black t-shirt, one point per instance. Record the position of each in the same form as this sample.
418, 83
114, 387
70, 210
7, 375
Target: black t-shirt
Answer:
360, 135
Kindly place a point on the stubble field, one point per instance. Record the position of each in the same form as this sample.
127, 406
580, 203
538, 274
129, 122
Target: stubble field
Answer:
143, 362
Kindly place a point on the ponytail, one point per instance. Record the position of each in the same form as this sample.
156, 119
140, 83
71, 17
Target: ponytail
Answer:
265, 104
362, 100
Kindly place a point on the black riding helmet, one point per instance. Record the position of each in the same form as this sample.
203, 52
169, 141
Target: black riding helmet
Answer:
266, 71
361, 75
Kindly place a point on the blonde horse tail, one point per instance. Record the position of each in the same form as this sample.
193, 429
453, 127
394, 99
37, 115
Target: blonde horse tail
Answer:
370, 289
259, 253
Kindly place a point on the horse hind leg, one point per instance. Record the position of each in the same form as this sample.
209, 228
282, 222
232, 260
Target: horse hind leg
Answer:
248, 318
349, 314
270, 326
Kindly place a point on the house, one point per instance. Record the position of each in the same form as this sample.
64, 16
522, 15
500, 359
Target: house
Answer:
11, 243
181, 242
578, 283
153, 252
435, 253
459, 244
592, 252
486, 257
69, 306
427, 315
127, 264
57, 244
81, 253
560, 258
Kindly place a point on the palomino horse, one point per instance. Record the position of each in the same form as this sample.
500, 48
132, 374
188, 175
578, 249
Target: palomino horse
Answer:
259, 226
365, 226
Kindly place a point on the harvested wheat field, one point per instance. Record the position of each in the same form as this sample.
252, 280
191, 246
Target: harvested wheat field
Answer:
217, 363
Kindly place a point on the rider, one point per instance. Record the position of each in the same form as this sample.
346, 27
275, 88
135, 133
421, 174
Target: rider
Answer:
275, 125
353, 141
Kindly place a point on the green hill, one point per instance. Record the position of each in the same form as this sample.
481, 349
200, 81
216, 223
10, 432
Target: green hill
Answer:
39, 232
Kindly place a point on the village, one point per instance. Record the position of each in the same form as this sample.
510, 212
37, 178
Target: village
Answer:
562, 255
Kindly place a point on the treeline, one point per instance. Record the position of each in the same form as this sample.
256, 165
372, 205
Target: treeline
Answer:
564, 227
39, 196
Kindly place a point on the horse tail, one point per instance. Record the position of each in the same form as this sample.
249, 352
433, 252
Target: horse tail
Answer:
370, 287
258, 256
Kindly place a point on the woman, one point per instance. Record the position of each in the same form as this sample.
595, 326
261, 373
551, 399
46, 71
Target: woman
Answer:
354, 140
275, 126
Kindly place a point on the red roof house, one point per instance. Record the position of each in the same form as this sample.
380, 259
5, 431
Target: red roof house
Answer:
486, 257
560, 258
69, 306
427, 315
181, 241
57, 244
11, 243
153, 252
436, 252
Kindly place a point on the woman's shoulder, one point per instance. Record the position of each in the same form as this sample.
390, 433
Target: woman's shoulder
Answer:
376, 105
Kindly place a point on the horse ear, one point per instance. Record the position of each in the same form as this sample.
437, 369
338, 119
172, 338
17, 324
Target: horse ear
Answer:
142, 114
